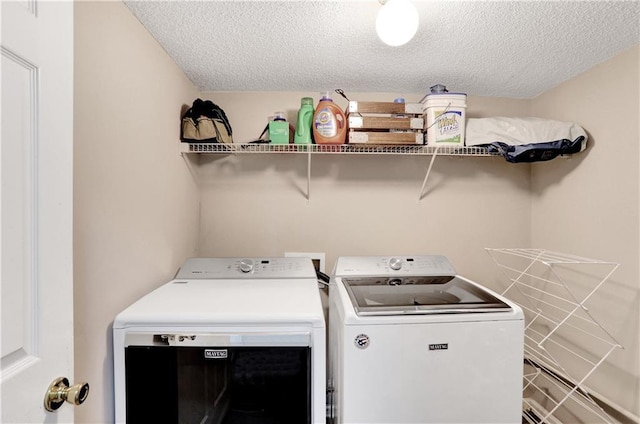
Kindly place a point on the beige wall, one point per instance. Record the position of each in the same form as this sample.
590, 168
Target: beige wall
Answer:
135, 201
589, 205
360, 205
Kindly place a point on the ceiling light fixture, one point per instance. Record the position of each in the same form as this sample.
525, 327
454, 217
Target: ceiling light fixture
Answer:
396, 22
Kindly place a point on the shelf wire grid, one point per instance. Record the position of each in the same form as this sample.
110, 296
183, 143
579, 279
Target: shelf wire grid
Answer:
551, 307
357, 149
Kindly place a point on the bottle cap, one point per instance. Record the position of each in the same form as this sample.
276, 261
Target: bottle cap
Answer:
306, 101
438, 88
325, 96
279, 116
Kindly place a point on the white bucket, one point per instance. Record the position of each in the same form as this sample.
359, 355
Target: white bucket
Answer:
445, 119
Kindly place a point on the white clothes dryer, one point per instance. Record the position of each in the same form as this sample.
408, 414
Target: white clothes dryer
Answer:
410, 341
227, 341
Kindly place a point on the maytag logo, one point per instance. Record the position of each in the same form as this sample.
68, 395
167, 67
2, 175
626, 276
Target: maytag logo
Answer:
215, 353
439, 346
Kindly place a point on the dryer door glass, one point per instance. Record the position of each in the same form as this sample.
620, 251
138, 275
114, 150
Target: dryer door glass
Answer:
222, 385
419, 295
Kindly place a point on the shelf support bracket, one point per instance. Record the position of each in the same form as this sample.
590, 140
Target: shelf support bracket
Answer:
309, 175
426, 177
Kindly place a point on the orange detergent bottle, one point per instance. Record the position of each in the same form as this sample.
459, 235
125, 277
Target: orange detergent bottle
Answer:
329, 122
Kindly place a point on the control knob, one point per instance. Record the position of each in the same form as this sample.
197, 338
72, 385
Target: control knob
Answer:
395, 264
246, 265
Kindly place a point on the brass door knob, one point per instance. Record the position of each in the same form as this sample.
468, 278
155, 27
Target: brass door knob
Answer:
59, 392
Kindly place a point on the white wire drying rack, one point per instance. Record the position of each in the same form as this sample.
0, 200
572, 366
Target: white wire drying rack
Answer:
340, 149
564, 344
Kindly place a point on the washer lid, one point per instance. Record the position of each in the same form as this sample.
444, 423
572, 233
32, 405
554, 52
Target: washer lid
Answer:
419, 295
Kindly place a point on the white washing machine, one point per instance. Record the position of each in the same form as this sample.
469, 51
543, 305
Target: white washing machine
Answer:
412, 342
227, 341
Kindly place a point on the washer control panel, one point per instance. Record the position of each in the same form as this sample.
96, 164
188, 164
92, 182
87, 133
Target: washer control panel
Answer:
246, 268
394, 265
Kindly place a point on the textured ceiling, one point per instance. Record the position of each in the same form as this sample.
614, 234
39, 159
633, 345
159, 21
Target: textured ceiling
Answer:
485, 48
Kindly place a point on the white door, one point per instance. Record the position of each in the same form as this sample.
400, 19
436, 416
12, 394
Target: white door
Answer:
36, 160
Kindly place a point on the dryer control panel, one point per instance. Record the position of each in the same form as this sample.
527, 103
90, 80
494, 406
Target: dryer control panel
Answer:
246, 268
434, 265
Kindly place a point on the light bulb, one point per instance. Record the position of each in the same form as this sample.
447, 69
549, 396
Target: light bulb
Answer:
397, 22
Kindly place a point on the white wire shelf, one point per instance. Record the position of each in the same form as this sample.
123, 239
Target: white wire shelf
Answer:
354, 149
341, 149
561, 336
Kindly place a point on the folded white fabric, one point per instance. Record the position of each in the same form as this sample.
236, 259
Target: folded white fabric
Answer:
519, 131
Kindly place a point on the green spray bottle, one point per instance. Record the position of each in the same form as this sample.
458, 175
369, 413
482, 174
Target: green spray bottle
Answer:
305, 118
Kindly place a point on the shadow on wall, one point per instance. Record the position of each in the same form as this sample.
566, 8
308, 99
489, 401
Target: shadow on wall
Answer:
108, 396
361, 169
551, 173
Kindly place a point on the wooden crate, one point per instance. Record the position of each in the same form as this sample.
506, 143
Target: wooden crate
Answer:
385, 107
384, 137
385, 123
